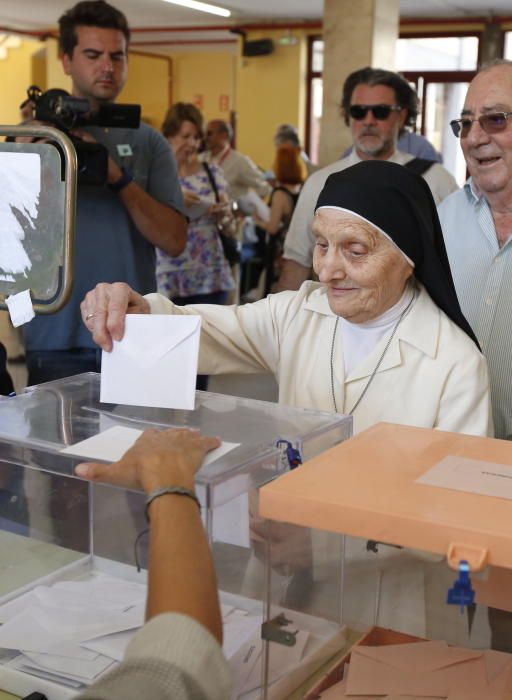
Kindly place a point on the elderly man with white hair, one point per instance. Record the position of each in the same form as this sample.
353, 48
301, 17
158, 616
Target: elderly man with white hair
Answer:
240, 172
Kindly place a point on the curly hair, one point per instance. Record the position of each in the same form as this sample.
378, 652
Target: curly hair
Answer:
89, 13
406, 96
177, 114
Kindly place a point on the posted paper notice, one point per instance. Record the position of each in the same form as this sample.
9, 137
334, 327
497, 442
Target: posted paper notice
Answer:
471, 476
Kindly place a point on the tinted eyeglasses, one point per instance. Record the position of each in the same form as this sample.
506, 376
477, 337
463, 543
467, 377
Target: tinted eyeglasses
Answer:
491, 123
380, 112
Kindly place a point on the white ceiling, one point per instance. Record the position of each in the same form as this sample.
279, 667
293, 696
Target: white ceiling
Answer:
42, 14
144, 13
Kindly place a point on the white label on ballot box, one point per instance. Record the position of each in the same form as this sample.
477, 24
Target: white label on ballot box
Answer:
471, 476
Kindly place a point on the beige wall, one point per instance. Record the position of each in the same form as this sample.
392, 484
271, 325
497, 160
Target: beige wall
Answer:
270, 90
264, 91
15, 78
148, 84
207, 79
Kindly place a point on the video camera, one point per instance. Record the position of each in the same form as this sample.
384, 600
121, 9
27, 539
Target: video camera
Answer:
59, 108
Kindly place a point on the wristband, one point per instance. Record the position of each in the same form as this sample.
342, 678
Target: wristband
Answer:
124, 180
175, 490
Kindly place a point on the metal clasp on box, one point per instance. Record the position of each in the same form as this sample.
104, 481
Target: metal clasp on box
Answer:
272, 631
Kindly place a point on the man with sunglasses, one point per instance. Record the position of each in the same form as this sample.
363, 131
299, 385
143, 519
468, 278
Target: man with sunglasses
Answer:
376, 104
477, 225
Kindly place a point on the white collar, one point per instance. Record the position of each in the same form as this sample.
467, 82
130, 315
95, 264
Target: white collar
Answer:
420, 335
389, 317
361, 339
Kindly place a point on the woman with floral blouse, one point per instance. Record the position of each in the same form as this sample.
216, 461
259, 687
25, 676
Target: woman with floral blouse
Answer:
201, 274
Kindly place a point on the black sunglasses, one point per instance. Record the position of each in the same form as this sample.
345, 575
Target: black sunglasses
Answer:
491, 123
380, 112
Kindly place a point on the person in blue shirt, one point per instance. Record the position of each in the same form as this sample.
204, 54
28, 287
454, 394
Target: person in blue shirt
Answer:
118, 225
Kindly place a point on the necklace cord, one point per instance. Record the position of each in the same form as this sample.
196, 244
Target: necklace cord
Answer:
376, 368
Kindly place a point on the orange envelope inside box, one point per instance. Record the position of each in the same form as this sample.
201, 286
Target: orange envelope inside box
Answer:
499, 673
423, 669
340, 691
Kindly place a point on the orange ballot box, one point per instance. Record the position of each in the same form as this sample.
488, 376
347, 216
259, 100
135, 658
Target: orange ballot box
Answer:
425, 517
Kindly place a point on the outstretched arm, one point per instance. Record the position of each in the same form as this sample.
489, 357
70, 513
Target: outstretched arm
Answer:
181, 573
233, 339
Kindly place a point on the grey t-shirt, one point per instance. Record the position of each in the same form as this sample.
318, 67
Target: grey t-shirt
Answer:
108, 246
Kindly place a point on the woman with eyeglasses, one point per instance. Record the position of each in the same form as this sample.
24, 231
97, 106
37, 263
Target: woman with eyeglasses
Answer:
201, 274
380, 336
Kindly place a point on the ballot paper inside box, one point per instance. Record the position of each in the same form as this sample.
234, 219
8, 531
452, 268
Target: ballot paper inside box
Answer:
67, 546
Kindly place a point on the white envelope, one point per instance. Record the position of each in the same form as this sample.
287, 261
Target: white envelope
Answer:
155, 364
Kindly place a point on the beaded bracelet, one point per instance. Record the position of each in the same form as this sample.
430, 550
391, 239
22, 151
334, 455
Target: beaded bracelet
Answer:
176, 490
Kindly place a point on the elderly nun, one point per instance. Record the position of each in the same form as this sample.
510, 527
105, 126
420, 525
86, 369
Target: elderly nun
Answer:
380, 335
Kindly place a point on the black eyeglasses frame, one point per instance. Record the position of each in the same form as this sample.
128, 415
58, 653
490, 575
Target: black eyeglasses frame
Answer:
379, 111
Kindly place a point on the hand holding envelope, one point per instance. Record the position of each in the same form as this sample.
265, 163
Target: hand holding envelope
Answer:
155, 364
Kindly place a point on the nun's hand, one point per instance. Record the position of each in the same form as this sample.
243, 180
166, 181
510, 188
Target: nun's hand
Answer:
104, 310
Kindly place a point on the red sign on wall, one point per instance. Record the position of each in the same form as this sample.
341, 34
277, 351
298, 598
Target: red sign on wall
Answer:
198, 101
224, 103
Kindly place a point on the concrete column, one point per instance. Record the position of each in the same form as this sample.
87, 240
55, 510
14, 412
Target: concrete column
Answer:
492, 43
356, 34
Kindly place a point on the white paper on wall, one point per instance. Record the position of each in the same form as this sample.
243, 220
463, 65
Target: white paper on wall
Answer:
20, 308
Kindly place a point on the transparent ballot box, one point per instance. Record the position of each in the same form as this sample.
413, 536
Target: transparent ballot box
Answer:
425, 520
71, 595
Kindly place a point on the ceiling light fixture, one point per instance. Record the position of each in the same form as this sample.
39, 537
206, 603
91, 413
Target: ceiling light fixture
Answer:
202, 7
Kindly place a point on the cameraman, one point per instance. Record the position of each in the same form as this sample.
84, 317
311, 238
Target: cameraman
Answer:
119, 224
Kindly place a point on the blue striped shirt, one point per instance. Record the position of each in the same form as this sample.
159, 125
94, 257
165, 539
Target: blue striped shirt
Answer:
482, 272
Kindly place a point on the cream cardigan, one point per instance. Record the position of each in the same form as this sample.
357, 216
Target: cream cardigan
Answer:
432, 375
